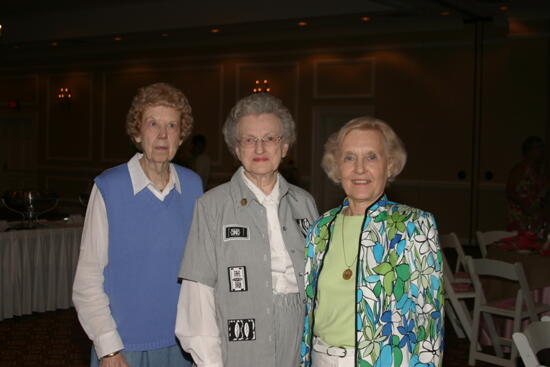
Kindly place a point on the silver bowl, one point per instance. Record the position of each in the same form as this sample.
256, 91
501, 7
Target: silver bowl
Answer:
30, 204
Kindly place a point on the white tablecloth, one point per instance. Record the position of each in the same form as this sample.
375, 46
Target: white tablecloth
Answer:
37, 269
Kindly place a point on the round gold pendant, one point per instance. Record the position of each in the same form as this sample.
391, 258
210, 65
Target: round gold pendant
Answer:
347, 274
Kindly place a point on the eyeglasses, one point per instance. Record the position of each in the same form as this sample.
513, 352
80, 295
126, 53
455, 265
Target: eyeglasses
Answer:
268, 141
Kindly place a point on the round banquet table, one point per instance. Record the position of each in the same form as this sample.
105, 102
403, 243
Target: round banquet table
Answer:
37, 268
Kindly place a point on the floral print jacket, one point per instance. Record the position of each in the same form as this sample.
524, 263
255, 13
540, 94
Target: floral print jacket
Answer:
399, 289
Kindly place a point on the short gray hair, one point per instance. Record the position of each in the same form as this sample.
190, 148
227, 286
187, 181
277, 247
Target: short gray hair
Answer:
395, 149
257, 104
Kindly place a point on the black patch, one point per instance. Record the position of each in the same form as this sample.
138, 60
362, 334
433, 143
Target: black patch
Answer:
237, 279
233, 232
303, 224
241, 330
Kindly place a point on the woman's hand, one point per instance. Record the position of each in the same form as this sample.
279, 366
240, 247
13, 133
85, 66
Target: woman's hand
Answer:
114, 361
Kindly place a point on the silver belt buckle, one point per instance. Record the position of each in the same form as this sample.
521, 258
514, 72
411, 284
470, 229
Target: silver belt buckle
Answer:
341, 352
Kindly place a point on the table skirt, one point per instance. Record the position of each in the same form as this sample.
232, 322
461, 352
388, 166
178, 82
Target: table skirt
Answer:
37, 269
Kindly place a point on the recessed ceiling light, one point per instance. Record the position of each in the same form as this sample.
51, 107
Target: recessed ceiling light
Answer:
302, 23
117, 38
215, 30
366, 19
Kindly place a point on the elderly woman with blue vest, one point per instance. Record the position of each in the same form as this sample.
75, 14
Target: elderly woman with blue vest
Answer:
138, 217
373, 266
242, 295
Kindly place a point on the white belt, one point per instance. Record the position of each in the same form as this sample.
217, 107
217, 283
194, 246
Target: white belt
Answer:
322, 347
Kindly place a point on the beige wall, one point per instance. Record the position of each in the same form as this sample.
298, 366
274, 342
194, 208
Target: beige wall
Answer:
421, 83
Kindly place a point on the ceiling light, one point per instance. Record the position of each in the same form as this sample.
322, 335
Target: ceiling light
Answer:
366, 19
215, 30
117, 38
302, 23
164, 35
54, 43
504, 8
444, 13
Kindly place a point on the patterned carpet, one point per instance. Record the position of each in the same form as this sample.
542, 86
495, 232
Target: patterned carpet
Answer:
44, 339
56, 339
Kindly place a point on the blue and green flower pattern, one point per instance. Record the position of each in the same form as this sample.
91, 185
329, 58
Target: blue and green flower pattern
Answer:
399, 289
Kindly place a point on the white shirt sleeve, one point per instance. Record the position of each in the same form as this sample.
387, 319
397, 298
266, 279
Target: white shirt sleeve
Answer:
196, 326
90, 300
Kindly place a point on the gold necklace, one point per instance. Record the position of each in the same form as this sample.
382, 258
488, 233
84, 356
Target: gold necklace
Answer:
347, 272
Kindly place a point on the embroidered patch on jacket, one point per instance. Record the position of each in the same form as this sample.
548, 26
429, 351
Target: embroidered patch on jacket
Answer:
241, 330
303, 224
235, 232
237, 279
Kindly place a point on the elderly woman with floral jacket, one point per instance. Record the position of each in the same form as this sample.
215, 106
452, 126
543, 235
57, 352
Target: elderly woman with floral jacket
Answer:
373, 267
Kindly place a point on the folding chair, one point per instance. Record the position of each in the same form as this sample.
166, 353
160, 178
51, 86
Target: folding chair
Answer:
532, 340
485, 239
523, 307
458, 287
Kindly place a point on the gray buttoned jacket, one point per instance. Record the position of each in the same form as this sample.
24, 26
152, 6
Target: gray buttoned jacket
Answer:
228, 249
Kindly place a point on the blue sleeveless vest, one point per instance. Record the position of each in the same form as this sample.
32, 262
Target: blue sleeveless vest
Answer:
146, 241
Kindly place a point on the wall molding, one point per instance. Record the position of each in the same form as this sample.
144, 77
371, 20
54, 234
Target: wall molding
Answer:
343, 61
219, 68
24, 103
47, 120
446, 185
158, 63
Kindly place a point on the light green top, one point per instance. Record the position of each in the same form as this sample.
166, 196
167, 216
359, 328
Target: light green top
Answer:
335, 311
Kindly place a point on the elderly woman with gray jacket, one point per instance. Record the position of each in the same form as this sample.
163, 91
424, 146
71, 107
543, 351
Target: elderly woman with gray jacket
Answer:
242, 296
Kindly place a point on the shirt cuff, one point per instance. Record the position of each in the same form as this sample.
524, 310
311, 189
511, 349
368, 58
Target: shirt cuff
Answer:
108, 343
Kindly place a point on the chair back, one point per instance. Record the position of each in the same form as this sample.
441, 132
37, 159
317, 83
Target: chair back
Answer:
523, 308
451, 241
485, 239
458, 287
504, 270
532, 340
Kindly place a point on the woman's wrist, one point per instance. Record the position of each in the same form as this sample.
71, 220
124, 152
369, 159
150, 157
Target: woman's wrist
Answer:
111, 354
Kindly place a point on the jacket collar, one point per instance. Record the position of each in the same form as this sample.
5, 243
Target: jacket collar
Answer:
380, 203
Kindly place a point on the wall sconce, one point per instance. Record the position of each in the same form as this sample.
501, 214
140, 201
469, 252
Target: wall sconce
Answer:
64, 95
261, 86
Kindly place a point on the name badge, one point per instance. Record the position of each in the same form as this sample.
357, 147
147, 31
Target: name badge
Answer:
235, 232
241, 330
237, 279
